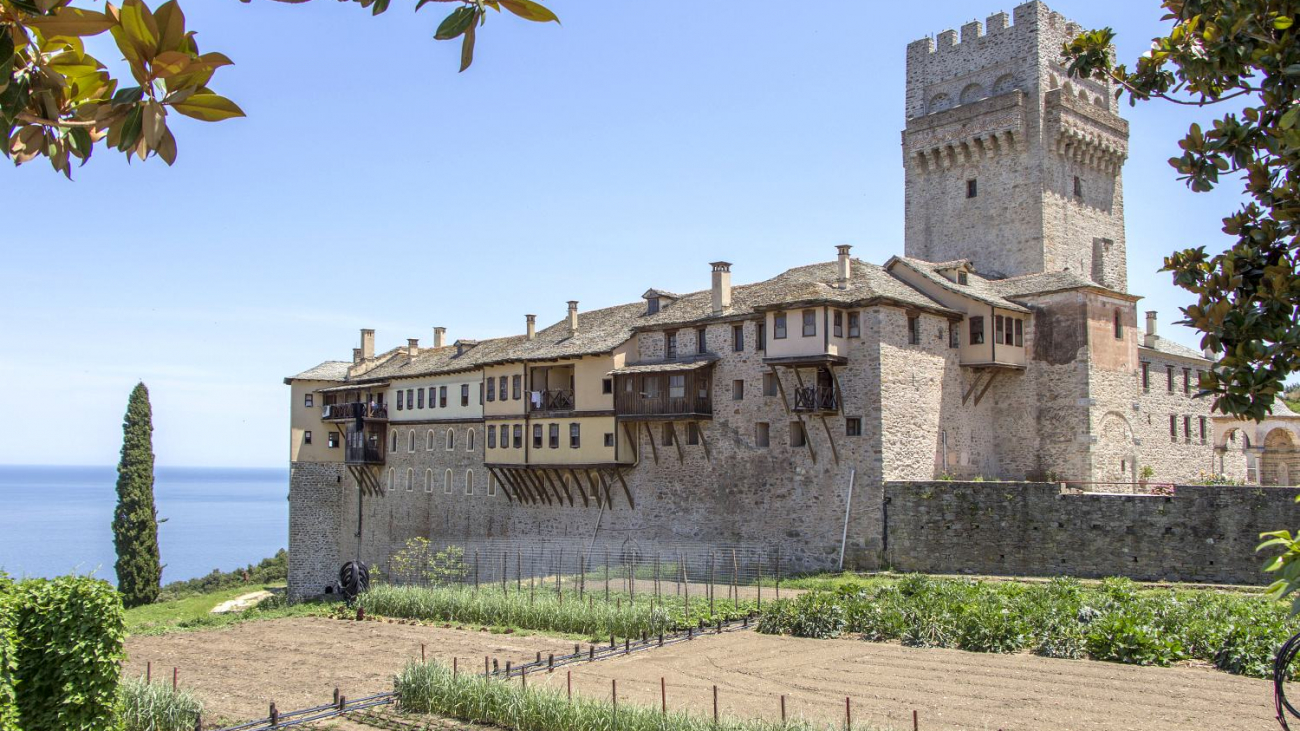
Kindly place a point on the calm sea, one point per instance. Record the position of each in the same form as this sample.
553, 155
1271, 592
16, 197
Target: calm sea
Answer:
58, 520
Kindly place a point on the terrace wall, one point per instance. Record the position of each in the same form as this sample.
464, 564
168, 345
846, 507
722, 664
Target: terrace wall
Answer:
1201, 533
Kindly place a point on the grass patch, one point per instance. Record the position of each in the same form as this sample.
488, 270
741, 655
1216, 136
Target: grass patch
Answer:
155, 707
1115, 620
590, 616
431, 688
194, 612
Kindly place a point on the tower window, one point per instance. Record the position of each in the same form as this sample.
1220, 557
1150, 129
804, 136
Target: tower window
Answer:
1078, 187
1119, 326
972, 188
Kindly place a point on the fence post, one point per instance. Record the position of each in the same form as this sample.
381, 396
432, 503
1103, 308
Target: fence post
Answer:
568, 681
336, 695
519, 571
613, 684
343, 702
176, 675
782, 710
198, 722
422, 652
582, 575
712, 591
686, 586
778, 571
735, 582
848, 714
663, 695
476, 570
916, 724
485, 666
715, 706
455, 667
760, 583
606, 574
503, 572
275, 715
148, 672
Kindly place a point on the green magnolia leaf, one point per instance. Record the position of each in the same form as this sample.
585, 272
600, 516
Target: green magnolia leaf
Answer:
71, 22
141, 27
208, 107
460, 20
171, 26
1282, 22
1289, 118
530, 10
467, 49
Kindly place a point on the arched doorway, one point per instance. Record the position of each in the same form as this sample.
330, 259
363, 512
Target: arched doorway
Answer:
1280, 463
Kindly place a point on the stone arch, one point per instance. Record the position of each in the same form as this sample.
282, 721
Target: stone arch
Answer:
1101, 101
1004, 84
938, 103
1069, 88
469, 482
451, 440
972, 93
410, 479
1280, 462
1083, 96
410, 441
428, 481
1117, 459
428, 441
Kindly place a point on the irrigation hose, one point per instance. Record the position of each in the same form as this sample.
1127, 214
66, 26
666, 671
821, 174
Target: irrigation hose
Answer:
1281, 664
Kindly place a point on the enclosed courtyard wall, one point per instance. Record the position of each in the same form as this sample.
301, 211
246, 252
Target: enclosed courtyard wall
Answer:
1201, 533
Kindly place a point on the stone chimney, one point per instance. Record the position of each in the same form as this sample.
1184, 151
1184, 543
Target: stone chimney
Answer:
367, 344
356, 355
532, 326
439, 337
845, 268
1150, 339
412, 347
721, 286
573, 317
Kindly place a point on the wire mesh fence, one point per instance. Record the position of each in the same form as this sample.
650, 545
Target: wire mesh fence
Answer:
602, 570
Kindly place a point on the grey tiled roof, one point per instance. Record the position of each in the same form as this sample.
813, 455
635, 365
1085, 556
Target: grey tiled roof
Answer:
977, 288
1042, 282
330, 370
1169, 347
666, 366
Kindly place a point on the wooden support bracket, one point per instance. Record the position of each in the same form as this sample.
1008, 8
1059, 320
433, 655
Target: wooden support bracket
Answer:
993, 376
577, 484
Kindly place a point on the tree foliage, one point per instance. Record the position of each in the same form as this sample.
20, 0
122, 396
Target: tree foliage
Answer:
1248, 298
58, 102
135, 522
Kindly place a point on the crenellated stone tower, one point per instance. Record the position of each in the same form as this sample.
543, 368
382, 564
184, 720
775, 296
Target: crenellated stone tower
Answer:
1009, 162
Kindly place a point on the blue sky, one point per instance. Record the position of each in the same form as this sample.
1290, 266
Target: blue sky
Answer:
373, 186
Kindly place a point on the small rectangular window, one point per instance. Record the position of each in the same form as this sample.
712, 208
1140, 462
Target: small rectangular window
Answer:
652, 305
853, 426
701, 341
1203, 428
977, 330
963, 278
519, 436
501, 390
972, 188
670, 345
770, 387
1119, 326
651, 386
738, 338
737, 390
1187, 381
677, 385
997, 329
762, 436
1187, 428
537, 436
419, 398
692, 433
609, 439
607, 386
575, 436
1011, 331
809, 323
1020, 333
797, 436
855, 324
399, 400
555, 436
778, 326
464, 394
517, 387
914, 330
491, 437
410, 398
306, 437
334, 439
1169, 378
480, 393
954, 335
1078, 187
491, 389
667, 434
837, 322
308, 400
760, 336
442, 397
1173, 428
1146, 377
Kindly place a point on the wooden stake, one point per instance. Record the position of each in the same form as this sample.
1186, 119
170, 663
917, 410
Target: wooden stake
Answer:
275, 715
523, 677
485, 666
148, 672
715, 706
336, 695
176, 675
455, 666
343, 701
663, 695
916, 724
848, 714
421, 652
568, 681
782, 710
613, 694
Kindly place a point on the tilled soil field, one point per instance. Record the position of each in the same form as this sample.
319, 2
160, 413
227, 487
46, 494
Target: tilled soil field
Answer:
298, 662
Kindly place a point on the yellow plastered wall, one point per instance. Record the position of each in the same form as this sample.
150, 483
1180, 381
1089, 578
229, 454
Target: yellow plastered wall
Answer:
304, 418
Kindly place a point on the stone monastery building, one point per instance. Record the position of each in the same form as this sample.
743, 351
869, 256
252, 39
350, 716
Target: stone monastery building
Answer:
1003, 344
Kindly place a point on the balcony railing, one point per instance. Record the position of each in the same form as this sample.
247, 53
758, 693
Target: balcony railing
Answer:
561, 400
811, 399
363, 448
353, 410
639, 404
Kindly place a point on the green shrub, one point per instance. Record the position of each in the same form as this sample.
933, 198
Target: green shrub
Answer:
271, 570
1123, 638
433, 689
70, 633
8, 656
992, 625
155, 707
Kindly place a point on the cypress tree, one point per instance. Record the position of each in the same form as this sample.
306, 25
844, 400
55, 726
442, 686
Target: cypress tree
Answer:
135, 523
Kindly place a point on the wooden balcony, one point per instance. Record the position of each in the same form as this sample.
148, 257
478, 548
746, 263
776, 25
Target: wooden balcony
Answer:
353, 410
675, 395
556, 400
816, 400
363, 448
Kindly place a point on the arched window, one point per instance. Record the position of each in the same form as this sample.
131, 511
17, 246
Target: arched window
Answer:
469, 441
446, 482
451, 440
410, 441
1005, 83
410, 479
972, 93
428, 440
428, 481
492, 485
938, 103
393, 448
469, 482
390, 479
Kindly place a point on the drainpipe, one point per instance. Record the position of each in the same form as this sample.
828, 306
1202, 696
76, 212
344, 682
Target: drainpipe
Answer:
844, 538
990, 330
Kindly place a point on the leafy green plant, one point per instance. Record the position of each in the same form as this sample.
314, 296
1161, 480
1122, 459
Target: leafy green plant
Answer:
135, 521
155, 707
273, 570
434, 689
70, 632
8, 656
1123, 638
417, 562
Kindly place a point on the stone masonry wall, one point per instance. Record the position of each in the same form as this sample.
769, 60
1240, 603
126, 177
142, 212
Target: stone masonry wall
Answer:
1199, 534
316, 492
